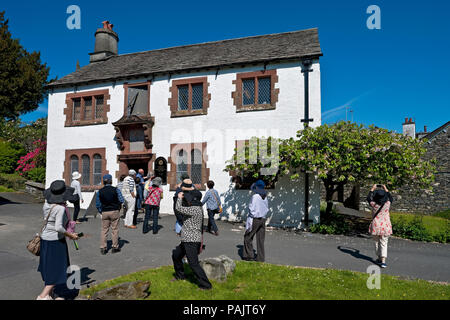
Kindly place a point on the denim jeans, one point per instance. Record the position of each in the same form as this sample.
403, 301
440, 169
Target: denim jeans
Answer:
140, 195
211, 222
150, 210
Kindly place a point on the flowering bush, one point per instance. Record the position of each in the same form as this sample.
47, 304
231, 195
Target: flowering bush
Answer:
33, 159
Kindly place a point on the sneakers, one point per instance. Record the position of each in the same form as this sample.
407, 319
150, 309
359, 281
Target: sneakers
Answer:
115, 250
103, 251
383, 265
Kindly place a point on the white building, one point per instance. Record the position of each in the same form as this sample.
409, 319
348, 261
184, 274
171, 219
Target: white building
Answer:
159, 109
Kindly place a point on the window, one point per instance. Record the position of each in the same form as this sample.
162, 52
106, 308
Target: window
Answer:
255, 91
97, 173
182, 166
86, 170
137, 98
189, 97
86, 108
91, 163
188, 158
73, 166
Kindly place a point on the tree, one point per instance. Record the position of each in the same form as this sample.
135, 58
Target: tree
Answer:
22, 76
18, 132
345, 152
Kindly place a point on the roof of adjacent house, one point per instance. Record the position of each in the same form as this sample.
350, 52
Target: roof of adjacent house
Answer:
434, 133
257, 49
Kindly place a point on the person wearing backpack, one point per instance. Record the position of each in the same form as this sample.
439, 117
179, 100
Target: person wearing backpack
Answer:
380, 228
213, 206
152, 195
108, 202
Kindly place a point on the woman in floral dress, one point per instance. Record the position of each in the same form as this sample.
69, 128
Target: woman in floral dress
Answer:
380, 228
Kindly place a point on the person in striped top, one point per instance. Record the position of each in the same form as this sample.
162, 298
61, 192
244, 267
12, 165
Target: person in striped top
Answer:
129, 194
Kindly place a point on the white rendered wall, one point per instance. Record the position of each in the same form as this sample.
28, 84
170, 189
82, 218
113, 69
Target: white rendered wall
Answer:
219, 128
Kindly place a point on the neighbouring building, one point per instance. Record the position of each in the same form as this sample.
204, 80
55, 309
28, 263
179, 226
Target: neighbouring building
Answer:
184, 109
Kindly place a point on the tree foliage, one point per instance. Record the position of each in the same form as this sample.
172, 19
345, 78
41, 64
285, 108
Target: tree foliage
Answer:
22, 76
346, 152
16, 131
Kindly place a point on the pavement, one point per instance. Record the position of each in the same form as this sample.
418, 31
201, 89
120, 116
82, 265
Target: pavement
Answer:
21, 218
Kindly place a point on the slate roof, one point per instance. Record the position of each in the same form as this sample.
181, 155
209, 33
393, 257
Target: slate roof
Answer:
256, 49
434, 133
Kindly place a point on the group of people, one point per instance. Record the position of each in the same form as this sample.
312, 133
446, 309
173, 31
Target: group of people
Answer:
188, 209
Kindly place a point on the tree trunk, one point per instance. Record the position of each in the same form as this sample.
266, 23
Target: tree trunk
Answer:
329, 199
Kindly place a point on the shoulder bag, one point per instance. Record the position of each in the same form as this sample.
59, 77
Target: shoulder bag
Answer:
220, 207
34, 245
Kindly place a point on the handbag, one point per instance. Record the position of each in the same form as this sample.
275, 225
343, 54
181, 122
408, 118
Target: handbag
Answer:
220, 207
34, 245
71, 224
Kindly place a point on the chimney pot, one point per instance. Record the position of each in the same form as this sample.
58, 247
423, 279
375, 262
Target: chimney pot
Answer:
424, 128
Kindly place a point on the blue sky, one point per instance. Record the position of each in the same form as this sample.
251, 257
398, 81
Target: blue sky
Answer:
384, 76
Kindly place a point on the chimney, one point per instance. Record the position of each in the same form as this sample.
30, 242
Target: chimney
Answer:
105, 43
425, 129
409, 128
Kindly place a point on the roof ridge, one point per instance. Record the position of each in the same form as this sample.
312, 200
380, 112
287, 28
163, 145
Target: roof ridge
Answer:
216, 41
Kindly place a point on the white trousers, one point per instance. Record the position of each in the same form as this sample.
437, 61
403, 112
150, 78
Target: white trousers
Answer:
130, 210
381, 245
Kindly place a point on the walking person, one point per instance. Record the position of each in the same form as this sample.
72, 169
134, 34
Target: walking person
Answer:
108, 202
140, 181
76, 185
129, 194
54, 254
380, 228
213, 206
123, 208
256, 222
152, 195
191, 237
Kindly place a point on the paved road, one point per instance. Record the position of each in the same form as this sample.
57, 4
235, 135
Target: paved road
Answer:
20, 219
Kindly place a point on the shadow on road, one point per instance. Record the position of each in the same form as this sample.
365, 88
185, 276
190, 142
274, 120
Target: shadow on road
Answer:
355, 253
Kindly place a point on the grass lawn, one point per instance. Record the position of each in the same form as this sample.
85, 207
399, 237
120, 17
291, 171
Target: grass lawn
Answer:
434, 224
262, 281
5, 189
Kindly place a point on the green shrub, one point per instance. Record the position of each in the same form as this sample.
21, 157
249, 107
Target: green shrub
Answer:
444, 214
415, 230
334, 224
10, 153
12, 181
36, 175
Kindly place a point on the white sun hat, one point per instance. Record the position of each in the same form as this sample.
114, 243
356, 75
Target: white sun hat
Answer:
76, 175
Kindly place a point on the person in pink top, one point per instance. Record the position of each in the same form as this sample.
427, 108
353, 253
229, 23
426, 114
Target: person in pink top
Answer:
152, 195
380, 228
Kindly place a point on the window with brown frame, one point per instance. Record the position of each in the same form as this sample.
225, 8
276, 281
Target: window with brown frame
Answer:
87, 108
137, 98
255, 91
188, 158
91, 163
189, 97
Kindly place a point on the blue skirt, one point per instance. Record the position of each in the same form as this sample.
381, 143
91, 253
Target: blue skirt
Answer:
54, 261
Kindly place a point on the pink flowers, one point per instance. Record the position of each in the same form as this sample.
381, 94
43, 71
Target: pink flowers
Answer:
31, 159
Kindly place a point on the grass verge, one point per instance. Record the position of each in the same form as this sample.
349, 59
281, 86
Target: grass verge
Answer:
262, 281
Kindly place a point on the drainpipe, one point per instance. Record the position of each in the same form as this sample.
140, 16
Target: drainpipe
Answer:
306, 69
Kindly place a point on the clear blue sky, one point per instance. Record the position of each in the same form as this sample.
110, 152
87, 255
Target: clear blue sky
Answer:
402, 70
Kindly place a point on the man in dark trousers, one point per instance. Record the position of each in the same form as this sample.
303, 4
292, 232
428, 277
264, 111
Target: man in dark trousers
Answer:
108, 202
